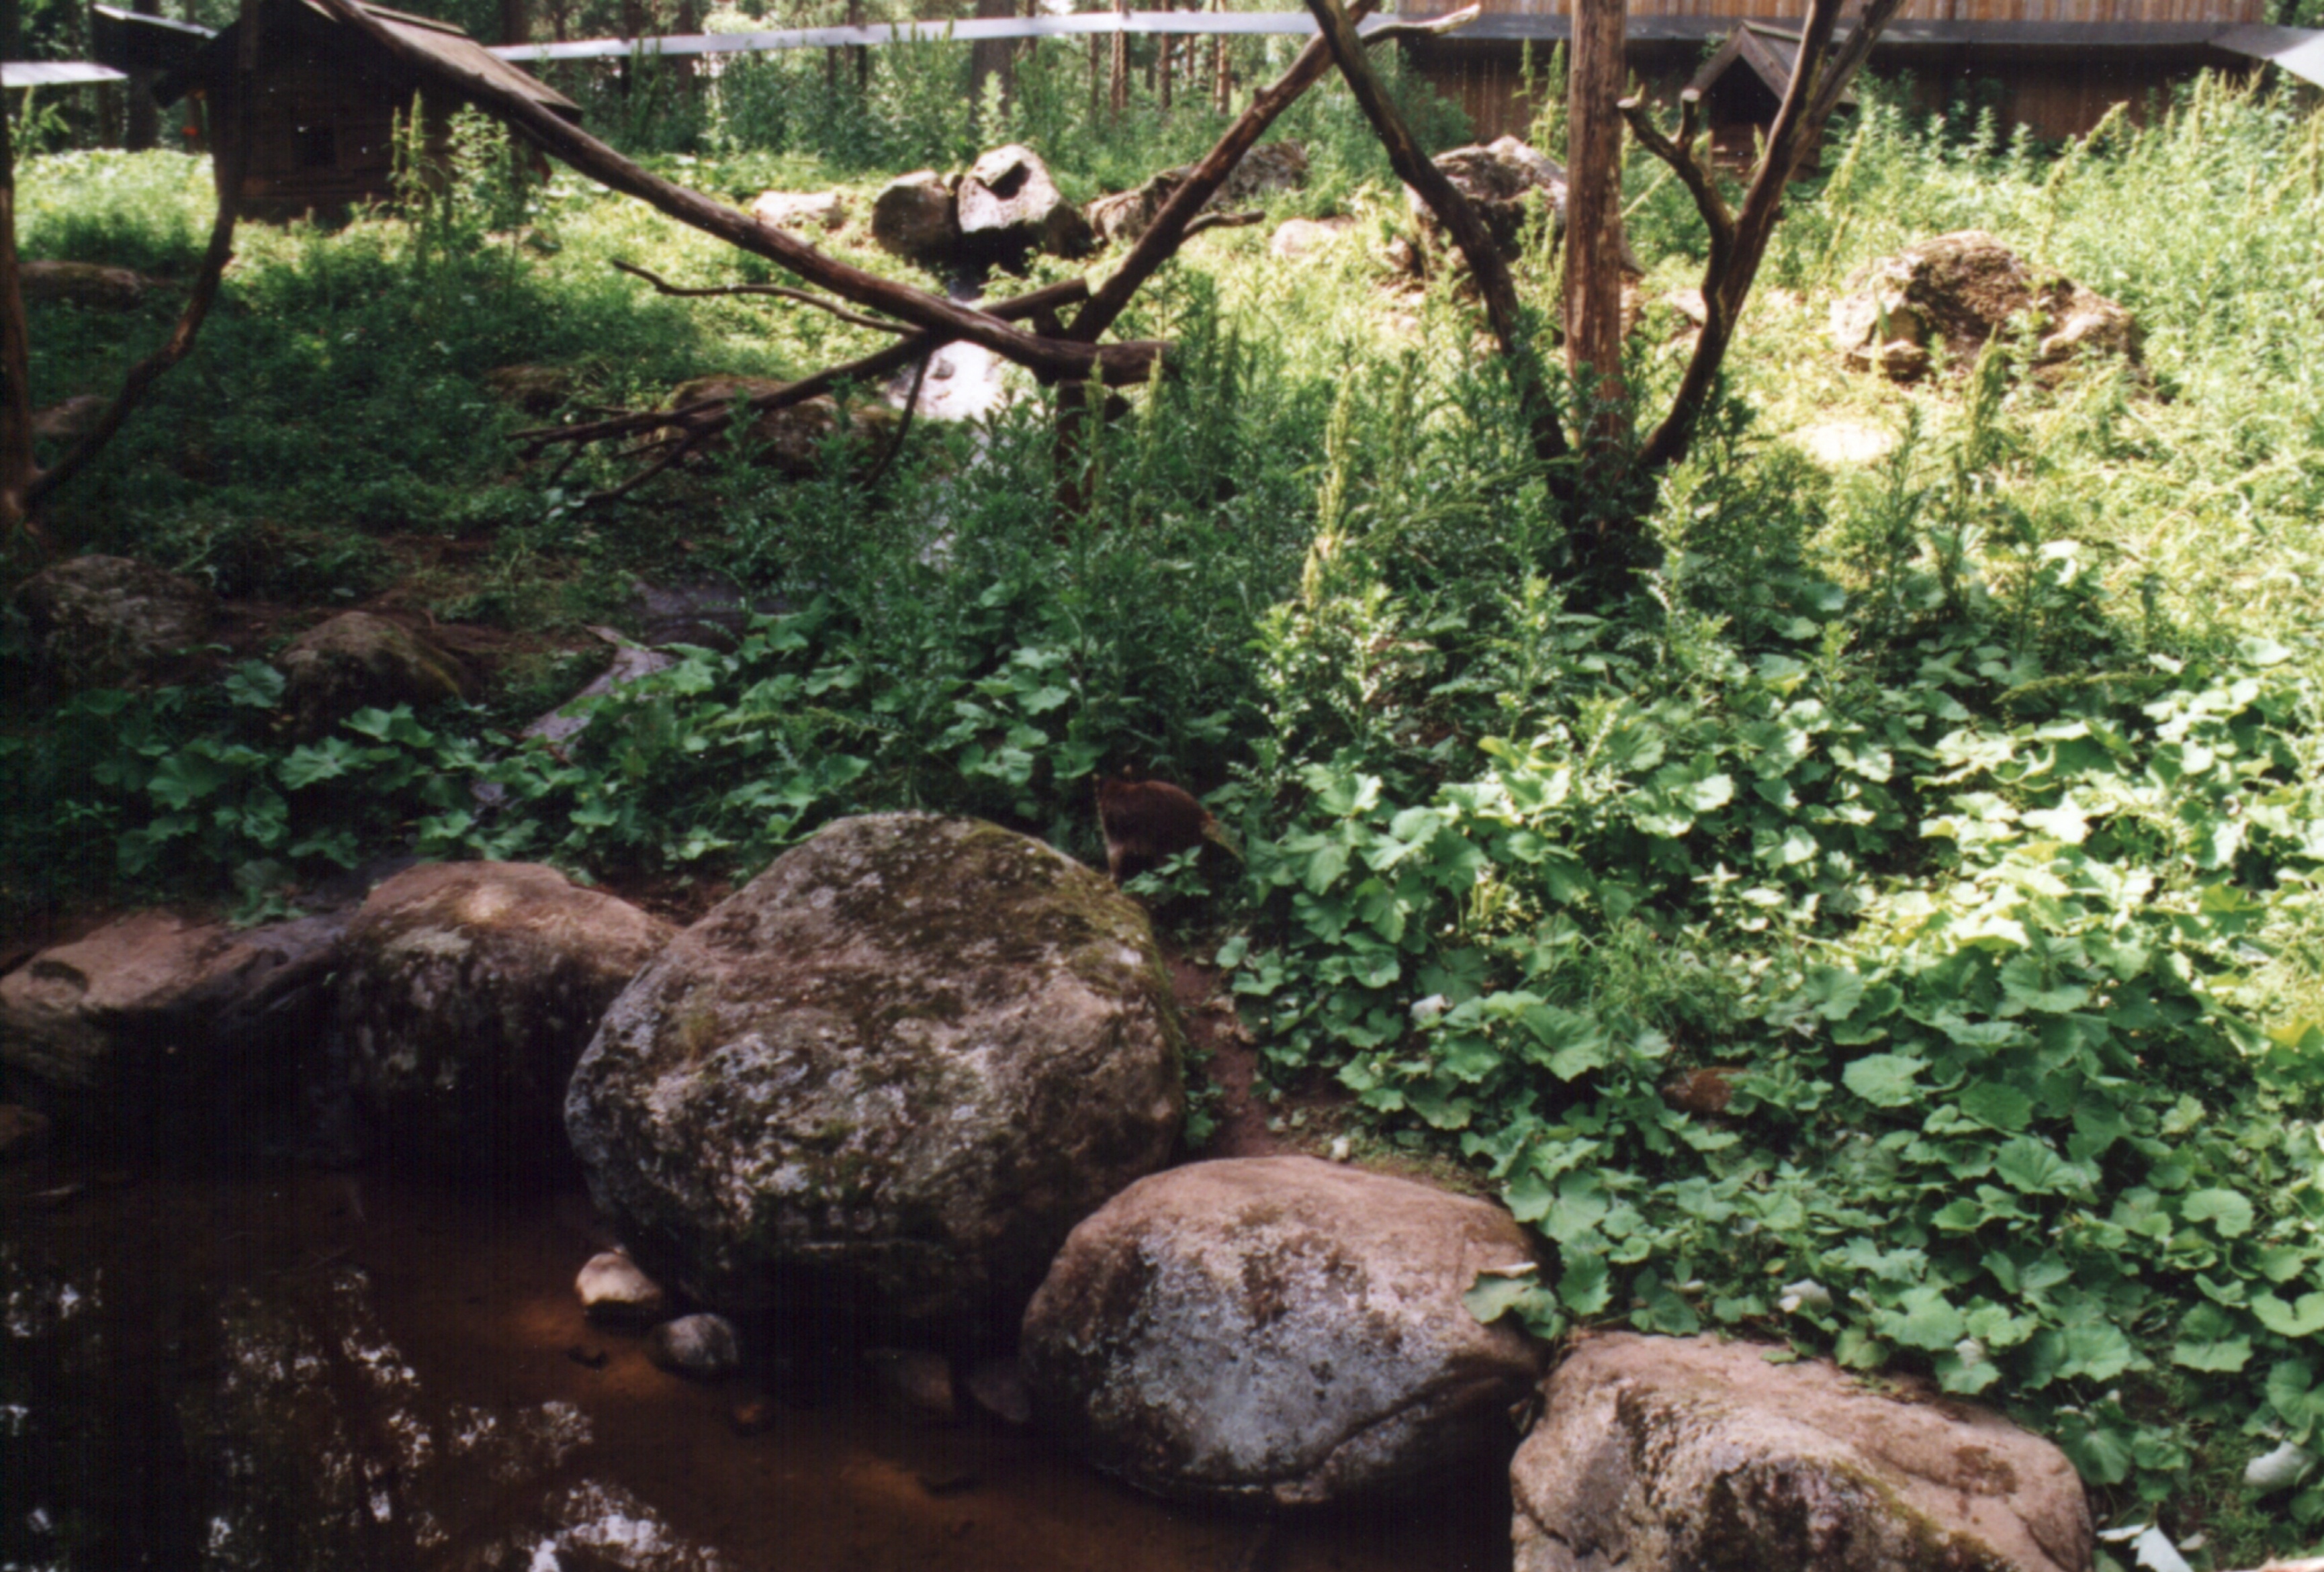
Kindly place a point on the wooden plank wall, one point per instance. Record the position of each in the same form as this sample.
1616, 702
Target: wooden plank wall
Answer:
2226, 12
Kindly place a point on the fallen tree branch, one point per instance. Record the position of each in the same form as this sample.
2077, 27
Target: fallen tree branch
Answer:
1223, 221
1113, 364
779, 291
1460, 218
706, 418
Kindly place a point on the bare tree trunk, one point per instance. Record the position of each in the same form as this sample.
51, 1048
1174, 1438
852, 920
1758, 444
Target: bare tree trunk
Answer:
1118, 91
143, 125
1166, 59
1222, 66
1511, 329
16, 473
516, 26
857, 51
993, 57
1593, 208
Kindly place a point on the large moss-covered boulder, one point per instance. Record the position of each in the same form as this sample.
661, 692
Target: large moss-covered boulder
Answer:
1279, 1331
913, 217
886, 1078
466, 991
1672, 1454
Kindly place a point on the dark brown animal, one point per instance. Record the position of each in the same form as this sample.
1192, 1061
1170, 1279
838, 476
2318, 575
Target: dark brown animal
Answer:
1146, 821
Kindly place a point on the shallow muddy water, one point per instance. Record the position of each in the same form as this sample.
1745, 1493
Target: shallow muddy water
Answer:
359, 1372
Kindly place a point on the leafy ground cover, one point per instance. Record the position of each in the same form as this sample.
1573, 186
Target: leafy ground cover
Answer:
1957, 807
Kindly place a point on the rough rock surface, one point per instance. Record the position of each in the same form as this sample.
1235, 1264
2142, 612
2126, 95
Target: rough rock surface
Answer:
355, 660
1271, 167
76, 418
1279, 1330
466, 991
156, 1028
1008, 207
1657, 1454
886, 1076
912, 218
801, 209
93, 285
1511, 185
23, 1132
702, 1345
1960, 290
106, 620
789, 439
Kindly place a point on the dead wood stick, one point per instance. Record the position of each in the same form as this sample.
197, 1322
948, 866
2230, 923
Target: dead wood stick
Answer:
1494, 283
1114, 363
779, 291
1174, 221
1739, 240
1223, 221
711, 412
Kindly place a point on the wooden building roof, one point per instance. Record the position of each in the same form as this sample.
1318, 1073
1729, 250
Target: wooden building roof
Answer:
441, 40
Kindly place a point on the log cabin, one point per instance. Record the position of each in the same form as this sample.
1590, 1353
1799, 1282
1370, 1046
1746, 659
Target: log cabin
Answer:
323, 136
2053, 66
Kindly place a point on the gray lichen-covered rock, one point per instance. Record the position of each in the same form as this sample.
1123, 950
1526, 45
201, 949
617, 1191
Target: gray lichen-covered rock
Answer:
105, 621
1279, 1331
1512, 185
1008, 207
1664, 1453
1271, 167
702, 1346
884, 1078
355, 660
1960, 291
912, 218
157, 1027
466, 991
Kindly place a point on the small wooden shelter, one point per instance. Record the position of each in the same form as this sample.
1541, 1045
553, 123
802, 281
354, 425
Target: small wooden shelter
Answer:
323, 129
1742, 86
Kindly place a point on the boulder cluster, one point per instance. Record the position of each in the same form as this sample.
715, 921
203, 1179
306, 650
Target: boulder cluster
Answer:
920, 1080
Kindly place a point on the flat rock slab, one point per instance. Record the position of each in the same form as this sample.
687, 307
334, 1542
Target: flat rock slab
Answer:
1279, 1331
1670, 1455
884, 1079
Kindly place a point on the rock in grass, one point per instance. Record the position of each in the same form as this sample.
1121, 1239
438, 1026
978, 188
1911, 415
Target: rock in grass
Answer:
702, 1346
1659, 1454
356, 660
93, 286
801, 209
614, 1292
1008, 207
1279, 1331
913, 217
466, 991
884, 1079
1958, 292
108, 621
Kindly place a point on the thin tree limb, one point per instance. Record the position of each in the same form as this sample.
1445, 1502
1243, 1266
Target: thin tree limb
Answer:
710, 415
1494, 283
17, 471
1223, 221
1114, 363
779, 291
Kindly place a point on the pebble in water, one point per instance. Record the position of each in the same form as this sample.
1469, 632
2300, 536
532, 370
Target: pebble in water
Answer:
702, 1345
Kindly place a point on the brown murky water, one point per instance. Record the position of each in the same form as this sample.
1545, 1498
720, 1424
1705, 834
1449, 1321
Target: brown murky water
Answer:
358, 1372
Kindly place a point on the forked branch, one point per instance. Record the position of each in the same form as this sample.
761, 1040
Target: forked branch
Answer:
1739, 240
777, 291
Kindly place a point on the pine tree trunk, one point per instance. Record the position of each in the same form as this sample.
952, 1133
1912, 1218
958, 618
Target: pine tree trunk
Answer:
1593, 203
